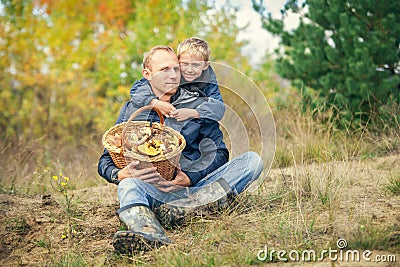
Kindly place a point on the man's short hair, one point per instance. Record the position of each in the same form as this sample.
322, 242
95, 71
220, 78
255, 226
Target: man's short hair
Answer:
149, 55
195, 47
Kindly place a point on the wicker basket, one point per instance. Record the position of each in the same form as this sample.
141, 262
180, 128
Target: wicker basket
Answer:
165, 163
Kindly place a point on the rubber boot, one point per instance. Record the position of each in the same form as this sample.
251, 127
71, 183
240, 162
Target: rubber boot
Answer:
208, 200
144, 231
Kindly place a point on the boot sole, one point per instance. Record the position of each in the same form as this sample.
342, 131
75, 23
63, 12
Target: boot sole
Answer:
170, 216
128, 242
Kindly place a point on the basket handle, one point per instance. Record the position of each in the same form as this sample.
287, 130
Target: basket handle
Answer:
137, 112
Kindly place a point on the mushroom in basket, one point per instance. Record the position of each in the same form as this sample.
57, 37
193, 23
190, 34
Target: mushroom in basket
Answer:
153, 147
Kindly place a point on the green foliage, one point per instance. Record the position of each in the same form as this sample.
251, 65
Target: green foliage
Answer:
68, 65
343, 54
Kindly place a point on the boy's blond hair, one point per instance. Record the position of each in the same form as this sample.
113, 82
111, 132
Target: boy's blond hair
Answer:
195, 47
149, 55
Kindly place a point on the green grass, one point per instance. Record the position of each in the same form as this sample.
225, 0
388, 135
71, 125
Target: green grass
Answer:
372, 236
70, 258
17, 225
394, 185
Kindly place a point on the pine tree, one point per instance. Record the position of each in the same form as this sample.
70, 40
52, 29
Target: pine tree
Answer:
347, 51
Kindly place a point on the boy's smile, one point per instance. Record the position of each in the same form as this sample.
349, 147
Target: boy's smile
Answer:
192, 66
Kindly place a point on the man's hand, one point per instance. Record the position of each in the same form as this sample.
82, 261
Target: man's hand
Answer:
183, 114
165, 107
181, 180
149, 175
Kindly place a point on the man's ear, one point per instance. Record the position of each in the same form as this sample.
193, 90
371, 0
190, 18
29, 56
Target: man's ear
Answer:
146, 74
207, 63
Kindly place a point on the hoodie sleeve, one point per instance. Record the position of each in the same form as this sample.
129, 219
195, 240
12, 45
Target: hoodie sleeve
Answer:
141, 92
214, 108
211, 109
212, 89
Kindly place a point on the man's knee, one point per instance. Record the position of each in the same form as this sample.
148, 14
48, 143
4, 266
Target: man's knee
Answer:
255, 163
129, 184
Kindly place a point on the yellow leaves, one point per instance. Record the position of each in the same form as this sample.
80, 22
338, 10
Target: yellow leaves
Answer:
73, 63
115, 12
122, 89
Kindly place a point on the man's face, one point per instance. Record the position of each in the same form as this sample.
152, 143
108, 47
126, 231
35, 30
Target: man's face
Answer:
192, 66
164, 73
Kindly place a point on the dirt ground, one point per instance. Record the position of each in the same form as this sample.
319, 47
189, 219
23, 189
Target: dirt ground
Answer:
32, 228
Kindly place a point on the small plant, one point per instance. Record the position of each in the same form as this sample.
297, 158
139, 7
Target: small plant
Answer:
394, 185
43, 243
17, 225
61, 184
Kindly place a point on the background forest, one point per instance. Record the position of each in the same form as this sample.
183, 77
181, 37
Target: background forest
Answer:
333, 86
68, 65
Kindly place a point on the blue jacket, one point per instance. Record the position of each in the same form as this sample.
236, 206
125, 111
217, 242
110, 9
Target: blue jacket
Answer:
205, 86
205, 150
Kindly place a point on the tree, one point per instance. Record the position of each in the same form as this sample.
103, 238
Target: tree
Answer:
68, 65
347, 51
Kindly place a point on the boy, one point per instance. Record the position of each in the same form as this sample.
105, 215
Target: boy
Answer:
197, 78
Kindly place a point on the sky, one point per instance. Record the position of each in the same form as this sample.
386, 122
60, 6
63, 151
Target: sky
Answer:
261, 41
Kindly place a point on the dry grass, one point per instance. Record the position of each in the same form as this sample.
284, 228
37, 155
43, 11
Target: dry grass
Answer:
304, 138
29, 164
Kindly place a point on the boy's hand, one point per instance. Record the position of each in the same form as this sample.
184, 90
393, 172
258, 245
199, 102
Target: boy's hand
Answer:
183, 114
165, 107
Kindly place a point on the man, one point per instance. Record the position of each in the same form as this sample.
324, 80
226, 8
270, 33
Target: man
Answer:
205, 175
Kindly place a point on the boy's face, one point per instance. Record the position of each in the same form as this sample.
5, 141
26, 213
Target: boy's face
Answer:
192, 66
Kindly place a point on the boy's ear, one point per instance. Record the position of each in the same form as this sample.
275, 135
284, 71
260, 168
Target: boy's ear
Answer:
146, 74
207, 63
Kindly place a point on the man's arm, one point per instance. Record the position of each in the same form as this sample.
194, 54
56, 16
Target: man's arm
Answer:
141, 92
106, 164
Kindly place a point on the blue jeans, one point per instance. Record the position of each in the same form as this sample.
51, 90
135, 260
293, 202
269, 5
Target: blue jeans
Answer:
238, 173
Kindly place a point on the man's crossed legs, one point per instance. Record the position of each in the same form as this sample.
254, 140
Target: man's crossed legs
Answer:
139, 199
